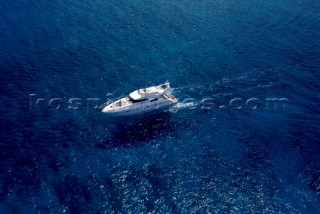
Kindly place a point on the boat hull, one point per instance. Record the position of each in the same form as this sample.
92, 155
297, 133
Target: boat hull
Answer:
132, 112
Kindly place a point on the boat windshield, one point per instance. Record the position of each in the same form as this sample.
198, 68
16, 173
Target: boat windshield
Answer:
164, 86
130, 98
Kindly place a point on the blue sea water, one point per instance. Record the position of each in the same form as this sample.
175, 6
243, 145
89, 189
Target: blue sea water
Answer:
202, 156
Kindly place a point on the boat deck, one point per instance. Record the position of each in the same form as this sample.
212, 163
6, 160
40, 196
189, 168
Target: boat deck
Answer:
172, 97
169, 96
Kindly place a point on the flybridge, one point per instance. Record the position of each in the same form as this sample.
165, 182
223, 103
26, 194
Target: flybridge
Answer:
151, 92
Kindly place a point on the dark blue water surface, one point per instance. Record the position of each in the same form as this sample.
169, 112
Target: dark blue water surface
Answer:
208, 156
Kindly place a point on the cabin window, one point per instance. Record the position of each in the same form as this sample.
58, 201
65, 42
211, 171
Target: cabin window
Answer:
154, 100
135, 101
138, 101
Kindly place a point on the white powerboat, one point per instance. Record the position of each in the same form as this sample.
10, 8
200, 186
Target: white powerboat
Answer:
141, 101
